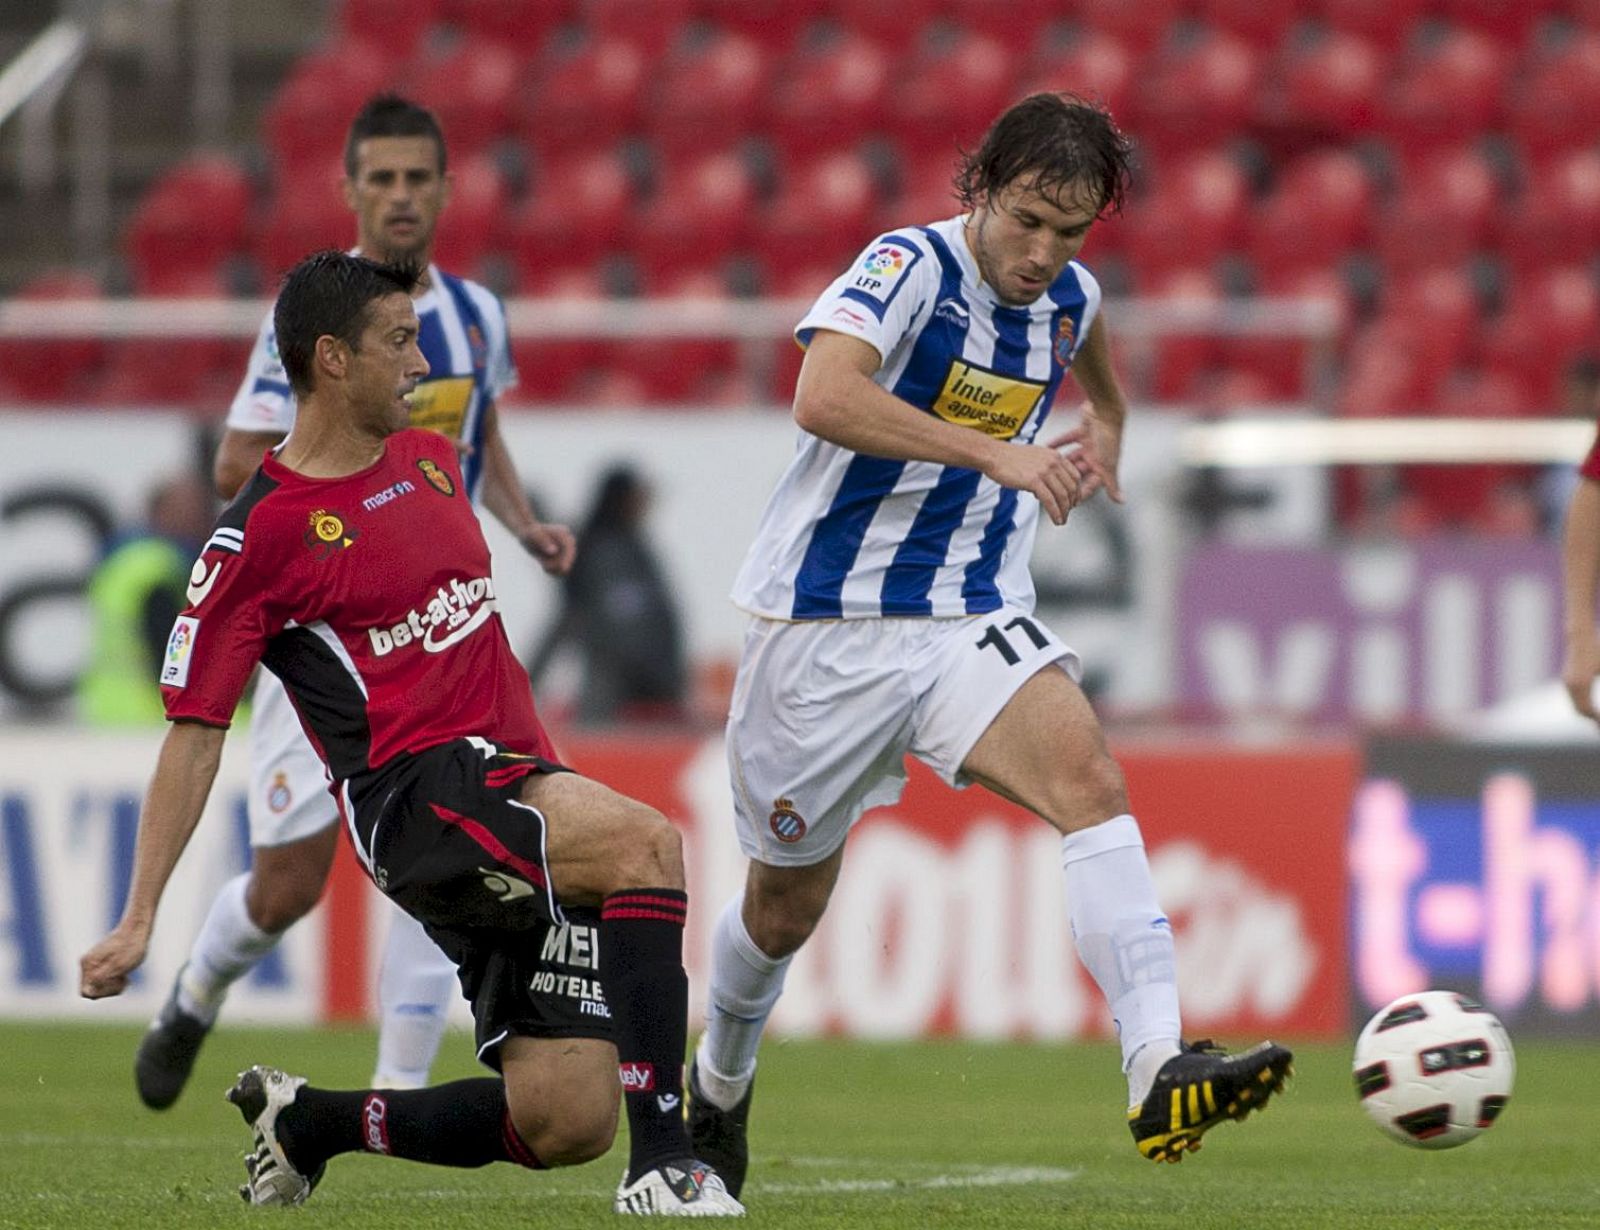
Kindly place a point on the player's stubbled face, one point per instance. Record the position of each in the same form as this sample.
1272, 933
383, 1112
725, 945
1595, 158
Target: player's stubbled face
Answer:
397, 193
386, 366
1022, 239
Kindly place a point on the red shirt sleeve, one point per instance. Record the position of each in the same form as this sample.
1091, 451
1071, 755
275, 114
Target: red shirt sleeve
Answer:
220, 636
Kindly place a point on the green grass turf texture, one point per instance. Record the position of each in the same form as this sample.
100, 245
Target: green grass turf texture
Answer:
845, 1134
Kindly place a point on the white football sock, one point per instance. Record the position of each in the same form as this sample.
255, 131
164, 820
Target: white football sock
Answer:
745, 985
228, 947
1125, 941
417, 984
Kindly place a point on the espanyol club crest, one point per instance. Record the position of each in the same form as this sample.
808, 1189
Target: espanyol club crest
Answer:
787, 824
279, 795
1065, 334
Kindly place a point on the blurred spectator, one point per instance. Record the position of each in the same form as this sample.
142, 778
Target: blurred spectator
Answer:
135, 596
619, 613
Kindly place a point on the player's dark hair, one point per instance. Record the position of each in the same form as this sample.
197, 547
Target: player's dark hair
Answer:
329, 294
390, 115
1065, 143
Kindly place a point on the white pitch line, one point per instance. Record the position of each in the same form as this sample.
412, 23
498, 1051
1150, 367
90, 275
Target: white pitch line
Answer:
996, 1176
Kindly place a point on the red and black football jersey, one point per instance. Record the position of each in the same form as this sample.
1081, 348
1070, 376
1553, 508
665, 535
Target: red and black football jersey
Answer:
371, 597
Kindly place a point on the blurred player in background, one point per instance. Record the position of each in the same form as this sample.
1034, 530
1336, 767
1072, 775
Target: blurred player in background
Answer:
397, 185
892, 609
561, 901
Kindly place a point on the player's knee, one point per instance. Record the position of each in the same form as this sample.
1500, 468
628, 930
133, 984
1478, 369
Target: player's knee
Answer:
276, 903
649, 852
780, 925
1096, 793
581, 1133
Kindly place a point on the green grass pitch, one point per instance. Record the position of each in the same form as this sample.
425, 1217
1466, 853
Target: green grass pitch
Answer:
846, 1134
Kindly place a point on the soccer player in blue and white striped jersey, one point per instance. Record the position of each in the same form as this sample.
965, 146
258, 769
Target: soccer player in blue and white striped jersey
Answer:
892, 610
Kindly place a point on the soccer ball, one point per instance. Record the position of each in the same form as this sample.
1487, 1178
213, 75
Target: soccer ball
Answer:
1434, 1069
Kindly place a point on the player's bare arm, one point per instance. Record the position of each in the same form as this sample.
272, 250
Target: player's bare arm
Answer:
238, 455
552, 545
837, 399
1580, 570
172, 806
1097, 439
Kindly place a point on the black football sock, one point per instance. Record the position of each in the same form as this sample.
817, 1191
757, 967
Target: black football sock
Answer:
463, 1123
641, 968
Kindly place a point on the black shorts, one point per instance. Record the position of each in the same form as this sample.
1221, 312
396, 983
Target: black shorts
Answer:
453, 847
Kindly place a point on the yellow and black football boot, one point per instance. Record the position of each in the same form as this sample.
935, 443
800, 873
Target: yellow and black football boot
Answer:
1200, 1087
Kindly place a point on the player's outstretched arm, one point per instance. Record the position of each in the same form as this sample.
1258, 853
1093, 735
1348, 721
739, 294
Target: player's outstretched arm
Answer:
238, 455
1097, 439
1580, 571
552, 545
172, 806
837, 399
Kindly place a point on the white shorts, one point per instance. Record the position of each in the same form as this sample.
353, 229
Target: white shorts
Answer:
824, 713
289, 796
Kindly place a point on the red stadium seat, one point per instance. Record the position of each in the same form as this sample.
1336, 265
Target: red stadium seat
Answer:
681, 369
1445, 212
1554, 107
472, 221
1183, 363
1387, 22
161, 372
1551, 319
1264, 25
299, 223
194, 218
576, 212
1196, 214
1140, 26
1017, 24
777, 24
1464, 494
397, 26
802, 286
52, 370
1331, 86
823, 214
588, 98
554, 369
897, 26
1556, 220
701, 214
1288, 367
1093, 65
1444, 302
306, 120
925, 193
516, 24
948, 94
473, 90
653, 23
1455, 88
1508, 21
1199, 92
709, 94
1382, 375
830, 96
1318, 213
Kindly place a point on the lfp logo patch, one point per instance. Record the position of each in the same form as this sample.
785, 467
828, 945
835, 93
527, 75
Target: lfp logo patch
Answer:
882, 268
180, 645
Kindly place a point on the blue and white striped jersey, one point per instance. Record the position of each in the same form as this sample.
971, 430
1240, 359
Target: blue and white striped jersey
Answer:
463, 338
850, 536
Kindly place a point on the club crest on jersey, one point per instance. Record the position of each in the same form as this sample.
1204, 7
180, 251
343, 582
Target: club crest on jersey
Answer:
437, 478
327, 534
1065, 334
279, 796
787, 824
480, 348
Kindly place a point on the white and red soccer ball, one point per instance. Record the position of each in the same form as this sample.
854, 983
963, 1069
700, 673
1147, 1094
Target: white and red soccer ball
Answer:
1434, 1069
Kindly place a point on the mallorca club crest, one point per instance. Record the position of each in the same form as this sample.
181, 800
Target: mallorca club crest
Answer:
787, 824
327, 534
1065, 335
437, 478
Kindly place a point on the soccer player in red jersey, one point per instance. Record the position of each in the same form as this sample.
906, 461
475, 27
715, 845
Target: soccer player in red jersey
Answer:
352, 566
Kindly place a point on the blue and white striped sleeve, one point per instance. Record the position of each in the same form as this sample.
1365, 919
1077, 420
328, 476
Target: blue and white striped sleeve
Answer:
264, 401
877, 298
